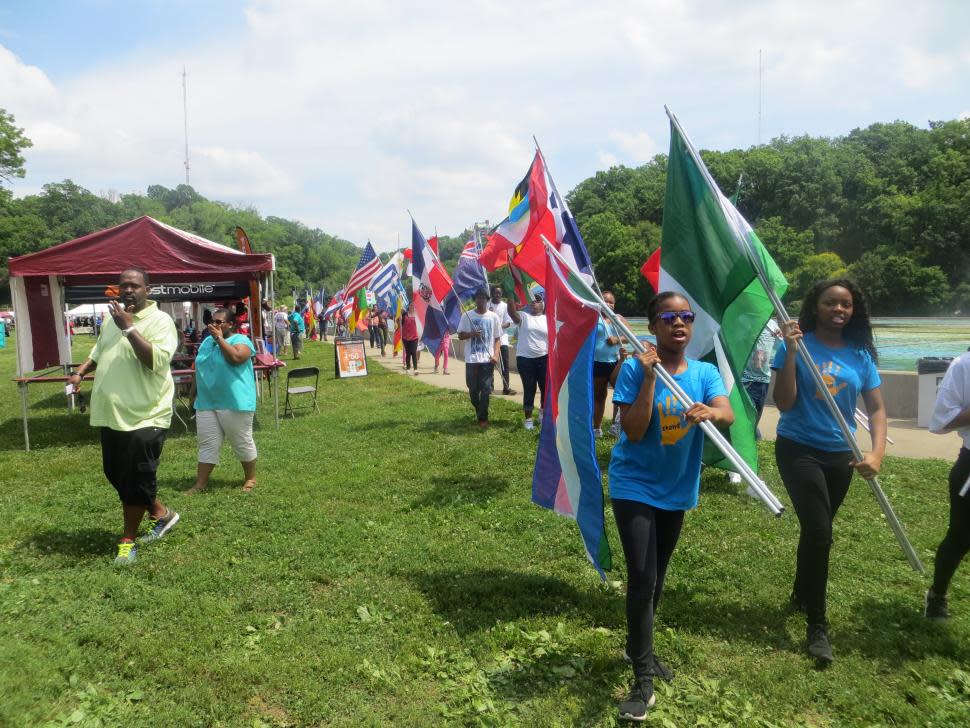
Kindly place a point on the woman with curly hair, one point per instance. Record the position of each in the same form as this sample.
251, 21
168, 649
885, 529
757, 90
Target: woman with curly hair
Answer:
813, 458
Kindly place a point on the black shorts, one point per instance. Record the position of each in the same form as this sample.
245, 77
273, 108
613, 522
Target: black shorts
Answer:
130, 460
603, 369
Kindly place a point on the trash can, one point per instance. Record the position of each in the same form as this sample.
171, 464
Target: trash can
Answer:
930, 370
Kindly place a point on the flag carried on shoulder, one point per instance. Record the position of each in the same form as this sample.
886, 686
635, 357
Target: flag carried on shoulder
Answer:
367, 267
435, 304
708, 249
567, 477
388, 279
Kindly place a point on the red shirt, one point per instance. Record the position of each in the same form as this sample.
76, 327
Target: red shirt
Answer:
409, 327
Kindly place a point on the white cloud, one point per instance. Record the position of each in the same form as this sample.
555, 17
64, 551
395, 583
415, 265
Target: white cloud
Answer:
343, 115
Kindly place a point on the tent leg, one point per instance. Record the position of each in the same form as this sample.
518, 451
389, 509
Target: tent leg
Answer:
275, 370
22, 386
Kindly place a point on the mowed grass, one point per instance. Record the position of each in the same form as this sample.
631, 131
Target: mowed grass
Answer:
389, 568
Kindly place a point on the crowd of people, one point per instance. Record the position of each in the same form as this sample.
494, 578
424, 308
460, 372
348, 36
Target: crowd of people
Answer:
655, 466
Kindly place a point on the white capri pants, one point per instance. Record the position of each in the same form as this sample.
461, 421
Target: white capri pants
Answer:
214, 426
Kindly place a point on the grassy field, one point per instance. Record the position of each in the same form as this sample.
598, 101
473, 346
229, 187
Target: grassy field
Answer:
389, 568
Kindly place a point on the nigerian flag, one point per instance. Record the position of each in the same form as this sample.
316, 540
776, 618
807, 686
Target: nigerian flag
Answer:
707, 256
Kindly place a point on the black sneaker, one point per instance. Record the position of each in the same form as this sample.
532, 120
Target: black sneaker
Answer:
818, 644
639, 701
936, 607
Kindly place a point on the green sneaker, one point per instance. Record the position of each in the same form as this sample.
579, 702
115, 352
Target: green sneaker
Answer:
159, 527
127, 553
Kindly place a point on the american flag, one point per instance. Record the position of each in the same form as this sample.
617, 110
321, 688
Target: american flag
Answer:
364, 273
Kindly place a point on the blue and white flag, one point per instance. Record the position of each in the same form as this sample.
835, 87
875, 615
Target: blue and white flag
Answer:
469, 273
388, 278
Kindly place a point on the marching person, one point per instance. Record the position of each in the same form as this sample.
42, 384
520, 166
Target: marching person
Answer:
297, 332
654, 474
497, 306
952, 412
442, 351
482, 329
409, 336
814, 460
131, 402
531, 354
224, 398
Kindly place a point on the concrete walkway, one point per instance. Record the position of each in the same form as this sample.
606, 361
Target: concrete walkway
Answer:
910, 441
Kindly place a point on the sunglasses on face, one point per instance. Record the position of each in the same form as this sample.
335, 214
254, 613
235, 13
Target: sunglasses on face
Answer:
668, 317
219, 322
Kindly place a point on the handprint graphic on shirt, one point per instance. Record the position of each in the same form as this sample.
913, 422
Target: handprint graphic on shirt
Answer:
830, 371
673, 426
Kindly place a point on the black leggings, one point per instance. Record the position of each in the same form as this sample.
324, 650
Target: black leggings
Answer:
956, 543
411, 354
533, 372
816, 481
649, 536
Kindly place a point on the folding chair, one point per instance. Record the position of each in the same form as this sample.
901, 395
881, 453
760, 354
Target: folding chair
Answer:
302, 373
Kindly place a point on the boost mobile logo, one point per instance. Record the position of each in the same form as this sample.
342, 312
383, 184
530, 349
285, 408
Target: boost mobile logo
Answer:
179, 289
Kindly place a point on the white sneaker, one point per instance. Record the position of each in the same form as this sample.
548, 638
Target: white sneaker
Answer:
615, 429
529, 424
597, 432
539, 415
734, 478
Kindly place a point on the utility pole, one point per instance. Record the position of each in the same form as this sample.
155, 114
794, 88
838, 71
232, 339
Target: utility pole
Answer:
185, 117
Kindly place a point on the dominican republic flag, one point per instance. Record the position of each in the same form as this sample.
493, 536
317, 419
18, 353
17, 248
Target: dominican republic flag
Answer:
469, 274
519, 233
436, 306
367, 267
708, 248
567, 477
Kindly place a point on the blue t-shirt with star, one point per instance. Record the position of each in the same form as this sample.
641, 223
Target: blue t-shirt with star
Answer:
663, 469
847, 372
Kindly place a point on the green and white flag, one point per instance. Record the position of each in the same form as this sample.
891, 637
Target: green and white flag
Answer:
707, 256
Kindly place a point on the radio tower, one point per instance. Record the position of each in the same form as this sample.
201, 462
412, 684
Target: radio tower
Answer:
185, 117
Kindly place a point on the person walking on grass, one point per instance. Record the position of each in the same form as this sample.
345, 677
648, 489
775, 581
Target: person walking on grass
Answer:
606, 356
482, 329
654, 475
297, 332
813, 459
281, 327
131, 402
952, 412
409, 337
500, 308
224, 398
531, 354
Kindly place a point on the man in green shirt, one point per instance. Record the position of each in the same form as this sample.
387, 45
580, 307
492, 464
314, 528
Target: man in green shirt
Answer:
131, 402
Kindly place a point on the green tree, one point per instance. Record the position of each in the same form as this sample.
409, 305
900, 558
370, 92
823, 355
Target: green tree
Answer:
814, 268
12, 143
898, 285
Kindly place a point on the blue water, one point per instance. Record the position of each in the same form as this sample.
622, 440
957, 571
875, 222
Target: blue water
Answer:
900, 341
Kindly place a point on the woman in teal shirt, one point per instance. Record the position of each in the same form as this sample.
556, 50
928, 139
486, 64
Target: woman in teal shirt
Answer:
224, 394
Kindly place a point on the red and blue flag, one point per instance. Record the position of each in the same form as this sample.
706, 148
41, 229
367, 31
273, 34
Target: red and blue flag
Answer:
567, 477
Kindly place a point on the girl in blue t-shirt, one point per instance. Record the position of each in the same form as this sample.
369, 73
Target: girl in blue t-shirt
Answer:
655, 474
813, 458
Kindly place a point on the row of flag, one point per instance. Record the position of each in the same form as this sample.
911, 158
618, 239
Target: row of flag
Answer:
710, 255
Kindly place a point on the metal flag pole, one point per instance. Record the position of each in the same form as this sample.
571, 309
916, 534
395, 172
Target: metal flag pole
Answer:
965, 489
709, 429
745, 246
863, 420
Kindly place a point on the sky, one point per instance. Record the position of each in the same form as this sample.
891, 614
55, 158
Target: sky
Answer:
345, 115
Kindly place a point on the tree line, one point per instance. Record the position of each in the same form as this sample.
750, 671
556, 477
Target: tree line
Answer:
887, 205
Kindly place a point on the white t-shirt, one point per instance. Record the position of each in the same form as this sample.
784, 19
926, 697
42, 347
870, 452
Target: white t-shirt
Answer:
533, 338
953, 397
480, 351
501, 309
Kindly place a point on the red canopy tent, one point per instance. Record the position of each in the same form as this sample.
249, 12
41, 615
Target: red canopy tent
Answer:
169, 255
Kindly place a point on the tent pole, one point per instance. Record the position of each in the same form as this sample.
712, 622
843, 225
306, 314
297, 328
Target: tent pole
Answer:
275, 371
22, 386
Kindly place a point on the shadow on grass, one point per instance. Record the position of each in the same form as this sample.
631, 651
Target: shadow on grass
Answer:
475, 600
460, 491
718, 616
896, 632
48, 431
84, 543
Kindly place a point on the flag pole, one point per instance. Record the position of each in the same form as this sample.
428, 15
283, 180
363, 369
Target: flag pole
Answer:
745, 245
709, 429
555, 189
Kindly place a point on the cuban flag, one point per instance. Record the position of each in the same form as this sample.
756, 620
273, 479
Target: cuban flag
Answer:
469, 274
435, 304
567, 477
335, 304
